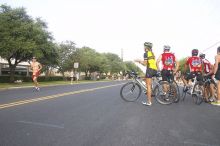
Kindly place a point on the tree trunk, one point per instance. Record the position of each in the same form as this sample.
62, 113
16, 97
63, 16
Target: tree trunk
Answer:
12, 73
86, 73
63, 76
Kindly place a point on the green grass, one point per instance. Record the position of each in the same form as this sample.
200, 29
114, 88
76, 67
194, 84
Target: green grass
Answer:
49, 83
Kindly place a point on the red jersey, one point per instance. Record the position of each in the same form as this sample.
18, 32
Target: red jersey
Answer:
195, 63
168, 60
207, 66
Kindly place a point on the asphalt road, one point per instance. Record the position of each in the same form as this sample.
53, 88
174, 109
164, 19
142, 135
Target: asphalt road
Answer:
95, 115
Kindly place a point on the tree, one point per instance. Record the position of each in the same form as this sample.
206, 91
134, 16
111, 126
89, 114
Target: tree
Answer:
65, 52
115, 63
89, 60
130, 66
21, 37
181, 64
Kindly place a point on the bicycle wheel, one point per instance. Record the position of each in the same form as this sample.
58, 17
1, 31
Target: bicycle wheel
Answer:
162, 96
177, 97
130, 91
184, 93
198, 93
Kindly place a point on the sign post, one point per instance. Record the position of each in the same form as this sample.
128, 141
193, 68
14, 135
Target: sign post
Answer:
76, 65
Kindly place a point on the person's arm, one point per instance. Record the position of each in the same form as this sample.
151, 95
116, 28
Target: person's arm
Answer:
216, 65
40, 66
185, 66
142, 62
211, 70
177, 65
158, 62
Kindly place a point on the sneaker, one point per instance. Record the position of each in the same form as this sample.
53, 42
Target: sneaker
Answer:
185, 88
212, 99
37, 88
216, 103
146, 103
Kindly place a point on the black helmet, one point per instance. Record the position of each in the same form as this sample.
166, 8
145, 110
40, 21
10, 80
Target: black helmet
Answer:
148, 44
218, 49
166, 48
195, 52
202, 55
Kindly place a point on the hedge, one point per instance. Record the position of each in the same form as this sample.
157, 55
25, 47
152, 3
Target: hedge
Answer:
6, 79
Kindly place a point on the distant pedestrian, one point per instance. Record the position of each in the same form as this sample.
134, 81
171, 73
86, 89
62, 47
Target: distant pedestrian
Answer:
36, 68
217, 76
71, 77
77, 77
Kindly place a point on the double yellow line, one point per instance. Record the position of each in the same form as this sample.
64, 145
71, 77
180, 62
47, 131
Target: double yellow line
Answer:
21, 102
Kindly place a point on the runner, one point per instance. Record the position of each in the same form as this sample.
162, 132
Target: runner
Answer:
208, 73
150, 62
36, 67
217, 75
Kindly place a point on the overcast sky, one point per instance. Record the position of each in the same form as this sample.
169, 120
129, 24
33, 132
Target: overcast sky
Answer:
110, 25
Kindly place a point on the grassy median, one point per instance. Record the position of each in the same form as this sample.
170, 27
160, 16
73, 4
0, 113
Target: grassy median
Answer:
49, 83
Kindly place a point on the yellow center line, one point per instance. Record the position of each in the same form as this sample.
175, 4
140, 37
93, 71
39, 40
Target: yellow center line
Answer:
21, 102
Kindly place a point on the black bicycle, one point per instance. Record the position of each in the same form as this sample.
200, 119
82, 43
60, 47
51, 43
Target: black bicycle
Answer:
171, 85
132, 90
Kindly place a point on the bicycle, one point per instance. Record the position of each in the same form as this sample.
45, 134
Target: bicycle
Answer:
173, 83
207, 83
196, 90
132, 90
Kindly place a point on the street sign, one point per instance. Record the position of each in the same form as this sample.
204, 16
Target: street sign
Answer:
76, 64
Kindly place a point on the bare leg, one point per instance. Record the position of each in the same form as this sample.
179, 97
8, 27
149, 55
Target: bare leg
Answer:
148, 85
218, 91
212, 90
35, 82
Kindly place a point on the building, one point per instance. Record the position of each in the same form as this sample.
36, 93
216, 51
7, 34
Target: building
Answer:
22, 68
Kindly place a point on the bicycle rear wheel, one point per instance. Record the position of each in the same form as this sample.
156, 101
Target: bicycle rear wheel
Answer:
198, 93
177, 97
165, 97
130, 91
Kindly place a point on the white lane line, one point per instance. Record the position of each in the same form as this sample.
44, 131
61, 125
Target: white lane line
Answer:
41, 124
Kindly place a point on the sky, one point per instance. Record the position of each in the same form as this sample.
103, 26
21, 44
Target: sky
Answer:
112, 25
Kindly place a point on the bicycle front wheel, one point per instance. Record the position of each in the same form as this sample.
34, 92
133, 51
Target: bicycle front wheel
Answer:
130, 91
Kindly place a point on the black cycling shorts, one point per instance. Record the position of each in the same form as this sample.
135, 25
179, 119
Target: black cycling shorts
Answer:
209, 77
150, 73
193, 75
167, 75
217, 75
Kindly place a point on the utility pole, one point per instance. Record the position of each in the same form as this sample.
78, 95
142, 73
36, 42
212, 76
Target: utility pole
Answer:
122, 54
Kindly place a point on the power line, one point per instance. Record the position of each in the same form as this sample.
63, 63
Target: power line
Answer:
211, 46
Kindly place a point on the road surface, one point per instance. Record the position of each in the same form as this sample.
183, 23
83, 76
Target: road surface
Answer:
95, 115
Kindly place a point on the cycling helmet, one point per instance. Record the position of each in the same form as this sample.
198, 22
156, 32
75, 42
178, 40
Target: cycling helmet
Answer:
218, 49
195, 52
202, 55
166, 48
148, 44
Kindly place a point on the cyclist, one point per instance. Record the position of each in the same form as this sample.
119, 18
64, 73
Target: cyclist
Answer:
150, 62
217, 75
169, 62
36, 67
208, 73
195, 65
170, 65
